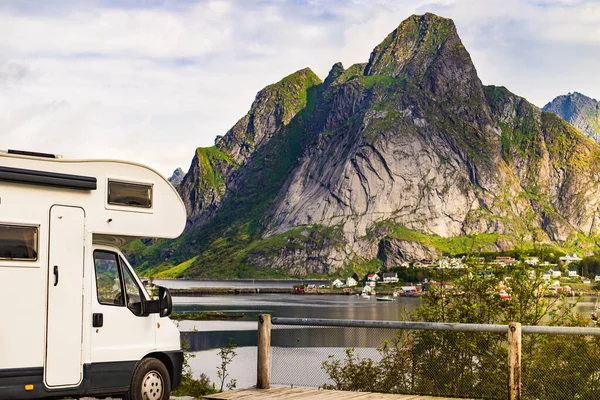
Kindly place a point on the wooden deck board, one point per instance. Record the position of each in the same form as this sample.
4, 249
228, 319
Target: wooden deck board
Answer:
300, 394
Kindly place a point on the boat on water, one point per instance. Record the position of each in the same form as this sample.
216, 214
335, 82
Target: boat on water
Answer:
385, 298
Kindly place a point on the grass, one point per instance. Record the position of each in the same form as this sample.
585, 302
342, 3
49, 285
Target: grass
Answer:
210, 174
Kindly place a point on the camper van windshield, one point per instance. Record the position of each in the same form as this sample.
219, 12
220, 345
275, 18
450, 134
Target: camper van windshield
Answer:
18, 242
129, 194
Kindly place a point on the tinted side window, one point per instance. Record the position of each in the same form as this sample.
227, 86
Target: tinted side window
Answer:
18, 242
129, 194
108, 279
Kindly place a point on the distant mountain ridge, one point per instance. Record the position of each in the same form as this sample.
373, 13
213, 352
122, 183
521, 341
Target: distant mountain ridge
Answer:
580, 111
400, 158
177, 177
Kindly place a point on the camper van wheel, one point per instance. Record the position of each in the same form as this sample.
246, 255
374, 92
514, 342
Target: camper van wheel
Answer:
150, 381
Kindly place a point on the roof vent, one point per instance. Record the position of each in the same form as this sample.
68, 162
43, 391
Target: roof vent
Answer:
31, 153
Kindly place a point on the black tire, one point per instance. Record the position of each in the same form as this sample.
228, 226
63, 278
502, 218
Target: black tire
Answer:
150, 381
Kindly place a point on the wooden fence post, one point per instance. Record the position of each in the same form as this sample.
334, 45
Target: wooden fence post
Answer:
514, 361
263, 377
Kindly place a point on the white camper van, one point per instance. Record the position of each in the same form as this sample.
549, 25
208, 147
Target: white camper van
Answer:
76, 319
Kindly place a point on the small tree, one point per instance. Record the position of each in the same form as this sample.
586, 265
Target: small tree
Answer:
227, 354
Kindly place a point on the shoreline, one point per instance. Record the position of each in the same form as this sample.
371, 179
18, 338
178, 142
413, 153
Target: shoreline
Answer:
193, 292
211, 291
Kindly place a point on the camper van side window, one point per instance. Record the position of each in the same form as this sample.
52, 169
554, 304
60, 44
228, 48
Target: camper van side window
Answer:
132, 290
108, 278
18, 242
129, 194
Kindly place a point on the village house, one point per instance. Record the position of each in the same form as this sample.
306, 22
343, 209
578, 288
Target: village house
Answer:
572, 272
569, 258
390, 277
532, 260
505, 260
597, 278
547, 275
337, 284
373, 278
409, 289
351, 282
556, 273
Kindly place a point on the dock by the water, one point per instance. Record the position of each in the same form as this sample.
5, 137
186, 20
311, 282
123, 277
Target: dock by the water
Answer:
313, 394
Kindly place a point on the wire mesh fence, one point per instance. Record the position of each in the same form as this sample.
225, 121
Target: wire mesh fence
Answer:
560, 367
450, 364
561, 363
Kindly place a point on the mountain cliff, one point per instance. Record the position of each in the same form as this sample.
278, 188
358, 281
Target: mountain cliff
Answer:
400, 158
177, 177
580, 111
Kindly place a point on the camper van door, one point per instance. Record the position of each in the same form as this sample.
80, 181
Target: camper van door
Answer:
65, 297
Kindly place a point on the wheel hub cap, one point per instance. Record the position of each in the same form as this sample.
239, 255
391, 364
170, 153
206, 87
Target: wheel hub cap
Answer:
152, 386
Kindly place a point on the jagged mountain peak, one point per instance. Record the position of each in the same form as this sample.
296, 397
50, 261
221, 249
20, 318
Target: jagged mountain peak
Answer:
427, 50
336, 70
177, 177
419, 36
579, 110
274, 106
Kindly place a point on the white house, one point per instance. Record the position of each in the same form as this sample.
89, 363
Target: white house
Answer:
337, 283
532, 260
371, 283
572, 272
569, 258
597, 278
351, 282
547, 275
556, 273
373, 278
390, 277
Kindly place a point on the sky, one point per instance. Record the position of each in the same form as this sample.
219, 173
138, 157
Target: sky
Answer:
151, 80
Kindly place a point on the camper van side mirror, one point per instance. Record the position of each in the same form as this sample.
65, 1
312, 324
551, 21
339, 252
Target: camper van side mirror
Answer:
165, 302
163, 306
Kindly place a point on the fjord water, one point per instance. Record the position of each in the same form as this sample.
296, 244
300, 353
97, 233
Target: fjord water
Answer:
206, 337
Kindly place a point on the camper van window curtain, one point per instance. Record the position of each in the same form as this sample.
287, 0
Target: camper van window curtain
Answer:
18, 242
129, 194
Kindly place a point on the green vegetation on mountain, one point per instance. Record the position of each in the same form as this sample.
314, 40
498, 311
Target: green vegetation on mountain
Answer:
399, 159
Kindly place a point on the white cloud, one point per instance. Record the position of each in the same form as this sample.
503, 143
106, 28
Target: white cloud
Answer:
151, 83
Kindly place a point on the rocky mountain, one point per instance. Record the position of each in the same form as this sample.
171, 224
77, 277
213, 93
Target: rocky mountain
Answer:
177, 177
580, 111
401, 158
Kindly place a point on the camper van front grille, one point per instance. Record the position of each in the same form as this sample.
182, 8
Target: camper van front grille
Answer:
35, 177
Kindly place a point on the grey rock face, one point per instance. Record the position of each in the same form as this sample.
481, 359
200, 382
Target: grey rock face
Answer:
394, 252
580, 111
177, 177
213, 170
